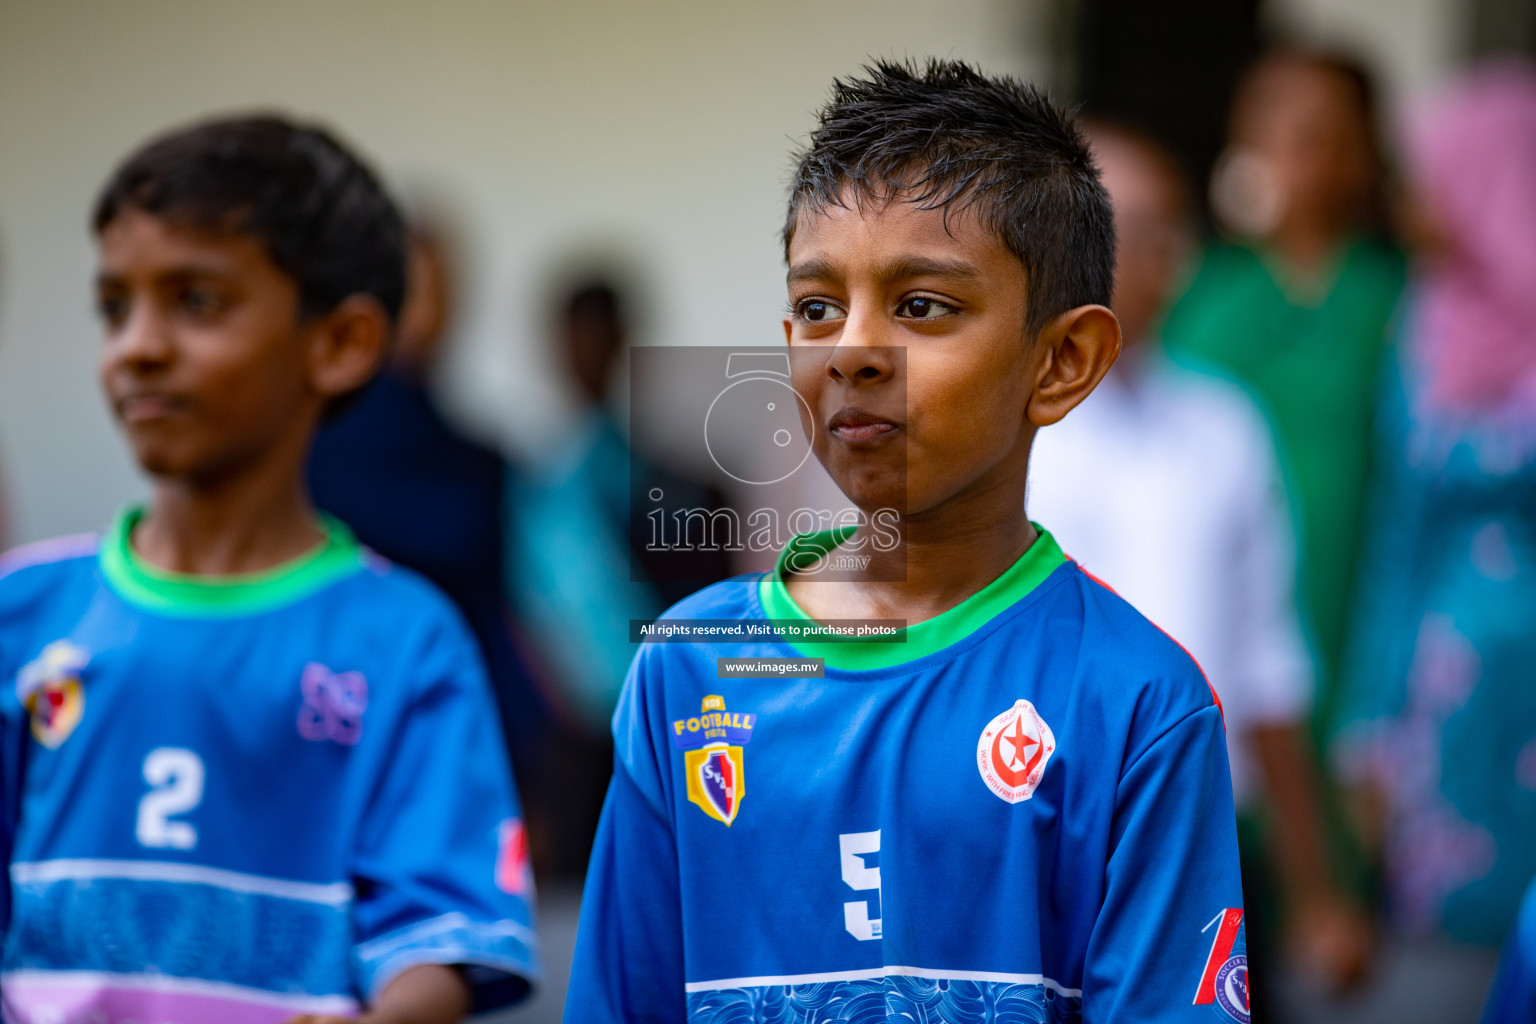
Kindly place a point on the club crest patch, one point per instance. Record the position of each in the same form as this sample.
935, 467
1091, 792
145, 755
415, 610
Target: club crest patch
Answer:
49, 688
1013, 750
713, 763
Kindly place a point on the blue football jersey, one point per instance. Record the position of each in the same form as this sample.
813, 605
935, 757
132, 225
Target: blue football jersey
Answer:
1022, 813
238, 799
1513, 999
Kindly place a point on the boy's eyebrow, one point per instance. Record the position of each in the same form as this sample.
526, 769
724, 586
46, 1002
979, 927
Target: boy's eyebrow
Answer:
819, 269
185, 269
928, 266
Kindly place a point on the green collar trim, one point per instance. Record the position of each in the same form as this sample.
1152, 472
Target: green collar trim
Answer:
186, 594
923, 638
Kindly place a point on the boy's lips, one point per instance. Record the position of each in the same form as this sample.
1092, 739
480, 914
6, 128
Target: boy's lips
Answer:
142, 408
858, 427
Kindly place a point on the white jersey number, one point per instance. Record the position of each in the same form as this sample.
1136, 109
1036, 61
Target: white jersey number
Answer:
175, 777
852, 846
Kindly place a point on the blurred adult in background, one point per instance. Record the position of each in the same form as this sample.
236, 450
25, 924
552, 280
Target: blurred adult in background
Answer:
419, 492
1165, 484
1438, 714
1296, 305
578, 568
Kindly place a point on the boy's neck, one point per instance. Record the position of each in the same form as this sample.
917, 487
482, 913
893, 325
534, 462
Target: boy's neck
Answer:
234, 527
943, 558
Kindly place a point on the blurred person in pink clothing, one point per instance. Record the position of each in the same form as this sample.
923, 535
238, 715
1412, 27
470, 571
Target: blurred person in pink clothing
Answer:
1437, 718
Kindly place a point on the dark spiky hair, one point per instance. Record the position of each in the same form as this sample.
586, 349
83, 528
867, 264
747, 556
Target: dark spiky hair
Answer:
942, 135
321, 213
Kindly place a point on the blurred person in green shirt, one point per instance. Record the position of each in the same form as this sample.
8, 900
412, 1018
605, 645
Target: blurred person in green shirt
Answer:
1295, 305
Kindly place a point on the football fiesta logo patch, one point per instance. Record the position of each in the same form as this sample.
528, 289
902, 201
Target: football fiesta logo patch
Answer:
712, 757
1013, 750
49, 688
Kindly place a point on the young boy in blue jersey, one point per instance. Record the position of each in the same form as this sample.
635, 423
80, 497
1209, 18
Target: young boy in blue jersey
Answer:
251, 772
1023, 812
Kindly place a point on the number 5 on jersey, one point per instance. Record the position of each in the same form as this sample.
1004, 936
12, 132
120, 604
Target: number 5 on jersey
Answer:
175, 777
852, 846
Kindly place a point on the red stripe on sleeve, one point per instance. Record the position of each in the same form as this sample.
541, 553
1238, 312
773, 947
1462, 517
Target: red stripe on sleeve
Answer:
1221, 949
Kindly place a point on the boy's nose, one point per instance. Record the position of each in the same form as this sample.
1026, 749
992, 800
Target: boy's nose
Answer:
143, 339
860, 363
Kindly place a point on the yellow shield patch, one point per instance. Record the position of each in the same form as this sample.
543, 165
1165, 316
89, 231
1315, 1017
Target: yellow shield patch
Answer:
49, 688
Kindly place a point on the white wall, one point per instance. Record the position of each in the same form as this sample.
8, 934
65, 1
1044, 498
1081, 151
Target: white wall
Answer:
1410, 43
664, 125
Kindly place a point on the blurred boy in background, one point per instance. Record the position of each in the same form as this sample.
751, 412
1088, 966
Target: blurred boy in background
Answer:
250, 770
1438, 716
1296, 307
1164, 483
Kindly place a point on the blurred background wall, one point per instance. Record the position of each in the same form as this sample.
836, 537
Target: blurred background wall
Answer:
662, 129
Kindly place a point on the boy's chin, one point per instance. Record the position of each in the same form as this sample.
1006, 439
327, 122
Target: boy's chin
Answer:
157, 462
871, 496
175, 464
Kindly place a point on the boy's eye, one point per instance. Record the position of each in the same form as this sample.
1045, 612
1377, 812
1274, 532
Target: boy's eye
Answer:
201, 301
113, 309
919, 308
819, 311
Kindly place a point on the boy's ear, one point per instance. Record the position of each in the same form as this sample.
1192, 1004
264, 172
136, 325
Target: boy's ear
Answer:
348, 345
1076, 349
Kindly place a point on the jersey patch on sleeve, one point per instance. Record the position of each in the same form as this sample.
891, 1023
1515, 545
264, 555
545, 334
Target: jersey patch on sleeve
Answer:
1224, 982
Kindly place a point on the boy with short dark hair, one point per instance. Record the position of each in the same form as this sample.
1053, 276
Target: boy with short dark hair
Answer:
251, 772
1023, 811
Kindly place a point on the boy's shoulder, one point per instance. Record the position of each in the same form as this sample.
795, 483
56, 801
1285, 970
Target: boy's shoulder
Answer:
1125, 656
734, 598
381, 580
392, 596
32, 571
725, 602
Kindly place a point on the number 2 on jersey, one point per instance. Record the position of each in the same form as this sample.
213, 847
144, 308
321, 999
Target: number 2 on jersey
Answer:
175, 777
852, 846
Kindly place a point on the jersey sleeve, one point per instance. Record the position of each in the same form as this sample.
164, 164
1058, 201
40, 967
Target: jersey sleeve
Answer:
1169, 942
629, 944
14, 719
1513, 997
440, 862
12, 752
